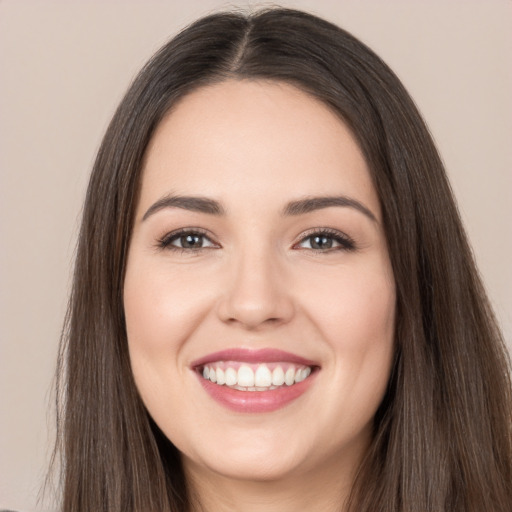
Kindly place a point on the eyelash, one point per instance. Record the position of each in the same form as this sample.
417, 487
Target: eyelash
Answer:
166, 241
345, 242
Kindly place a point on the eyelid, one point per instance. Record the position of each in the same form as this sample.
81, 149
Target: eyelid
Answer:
165, 242
346, 242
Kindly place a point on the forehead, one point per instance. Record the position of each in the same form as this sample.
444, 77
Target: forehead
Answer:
258, 135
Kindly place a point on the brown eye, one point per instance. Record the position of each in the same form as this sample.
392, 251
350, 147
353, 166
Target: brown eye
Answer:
325, 241
321, 242
191, 241
186, 240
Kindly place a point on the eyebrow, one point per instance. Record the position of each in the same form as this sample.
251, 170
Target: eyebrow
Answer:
192, 203
293, 208
310, 204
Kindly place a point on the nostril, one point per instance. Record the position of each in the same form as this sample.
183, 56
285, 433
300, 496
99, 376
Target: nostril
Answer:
256, 309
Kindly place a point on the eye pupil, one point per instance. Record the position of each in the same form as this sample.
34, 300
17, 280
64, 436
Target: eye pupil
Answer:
191, 241
321, 242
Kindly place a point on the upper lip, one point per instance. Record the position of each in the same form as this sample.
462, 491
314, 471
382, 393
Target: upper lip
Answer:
245, 355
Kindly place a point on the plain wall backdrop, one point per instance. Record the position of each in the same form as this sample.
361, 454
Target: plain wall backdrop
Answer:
64, 66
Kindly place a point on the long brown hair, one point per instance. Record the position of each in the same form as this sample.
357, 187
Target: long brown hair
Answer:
442, 436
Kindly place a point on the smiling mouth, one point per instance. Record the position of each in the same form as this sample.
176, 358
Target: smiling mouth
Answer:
254, 377
255, 381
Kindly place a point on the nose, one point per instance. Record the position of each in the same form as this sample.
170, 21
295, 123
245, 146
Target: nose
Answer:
256, 294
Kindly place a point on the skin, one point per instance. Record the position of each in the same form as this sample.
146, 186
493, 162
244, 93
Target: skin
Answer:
259, 283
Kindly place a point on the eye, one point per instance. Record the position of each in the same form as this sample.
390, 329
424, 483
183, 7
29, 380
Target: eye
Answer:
326, 240
186, 240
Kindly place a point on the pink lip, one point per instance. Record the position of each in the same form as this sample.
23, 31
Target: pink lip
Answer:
265, 355
254, 401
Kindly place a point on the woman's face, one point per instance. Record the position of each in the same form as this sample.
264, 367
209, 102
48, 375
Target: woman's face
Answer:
258, 259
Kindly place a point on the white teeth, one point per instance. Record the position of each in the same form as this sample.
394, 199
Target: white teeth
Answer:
245, 376
299, 377
302, 374
278, 376
231, 376
263, 377
221, 379
255, 377
289, 376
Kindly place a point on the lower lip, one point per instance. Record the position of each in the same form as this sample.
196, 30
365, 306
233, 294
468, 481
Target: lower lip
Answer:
256, 401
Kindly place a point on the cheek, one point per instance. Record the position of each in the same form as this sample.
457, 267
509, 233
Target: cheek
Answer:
161, 307
354, 308
162, 310
357, 320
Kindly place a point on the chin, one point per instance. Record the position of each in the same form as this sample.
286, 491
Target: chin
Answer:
254, 467
258, 456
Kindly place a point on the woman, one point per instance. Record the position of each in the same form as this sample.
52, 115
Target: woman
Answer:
274, 301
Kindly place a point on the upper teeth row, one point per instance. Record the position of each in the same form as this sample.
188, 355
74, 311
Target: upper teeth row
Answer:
262, 377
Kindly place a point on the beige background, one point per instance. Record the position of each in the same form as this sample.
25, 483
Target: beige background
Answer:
63, 68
